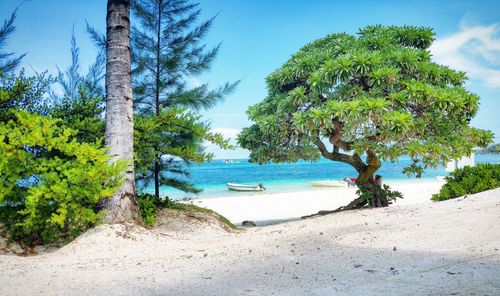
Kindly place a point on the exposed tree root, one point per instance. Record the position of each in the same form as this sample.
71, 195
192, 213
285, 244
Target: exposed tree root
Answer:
358, 203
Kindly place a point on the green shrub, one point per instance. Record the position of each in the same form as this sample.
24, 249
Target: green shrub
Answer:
194, 208
51, 185
370, 193
149, 205
469, 180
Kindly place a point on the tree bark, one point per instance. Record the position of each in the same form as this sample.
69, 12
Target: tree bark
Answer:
157, 179
372, 165
365, 175
122, 207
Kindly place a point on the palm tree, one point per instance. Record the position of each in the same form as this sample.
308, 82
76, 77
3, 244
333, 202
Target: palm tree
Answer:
119, 110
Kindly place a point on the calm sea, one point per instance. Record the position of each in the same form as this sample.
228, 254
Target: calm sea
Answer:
213, 176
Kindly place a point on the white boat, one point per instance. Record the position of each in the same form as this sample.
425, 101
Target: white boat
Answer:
329, 183
242, 187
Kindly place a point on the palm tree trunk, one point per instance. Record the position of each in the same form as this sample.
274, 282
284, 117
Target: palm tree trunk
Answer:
122, 207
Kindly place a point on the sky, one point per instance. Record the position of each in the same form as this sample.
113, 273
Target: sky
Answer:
258, 36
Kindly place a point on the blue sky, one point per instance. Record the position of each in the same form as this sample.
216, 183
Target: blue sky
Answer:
259, 36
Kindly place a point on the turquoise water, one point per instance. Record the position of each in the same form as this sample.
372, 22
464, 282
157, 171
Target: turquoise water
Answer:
213, 176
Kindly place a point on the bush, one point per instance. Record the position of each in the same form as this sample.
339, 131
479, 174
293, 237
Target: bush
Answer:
469, 180
149, 205
51, 185
371, 192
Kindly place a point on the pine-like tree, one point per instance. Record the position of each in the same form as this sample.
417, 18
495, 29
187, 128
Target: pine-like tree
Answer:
167, 51
71, 81
7, 60
78, 98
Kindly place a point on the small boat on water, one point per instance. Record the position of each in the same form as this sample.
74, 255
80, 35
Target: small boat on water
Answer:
243, 187
329, 183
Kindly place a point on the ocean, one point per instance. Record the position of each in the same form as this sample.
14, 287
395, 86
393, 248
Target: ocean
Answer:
212, 176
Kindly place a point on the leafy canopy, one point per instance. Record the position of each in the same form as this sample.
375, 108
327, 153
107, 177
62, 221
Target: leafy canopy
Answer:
378, 93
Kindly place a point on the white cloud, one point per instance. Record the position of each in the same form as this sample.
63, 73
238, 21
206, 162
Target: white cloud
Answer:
227, 132
231, 134
474, 49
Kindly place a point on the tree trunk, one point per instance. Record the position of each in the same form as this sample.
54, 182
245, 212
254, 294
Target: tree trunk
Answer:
157, 97
157, 179
366, 173
122, 207
365, 176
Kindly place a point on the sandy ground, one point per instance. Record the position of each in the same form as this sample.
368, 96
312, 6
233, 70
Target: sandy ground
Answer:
446, 248
263, 208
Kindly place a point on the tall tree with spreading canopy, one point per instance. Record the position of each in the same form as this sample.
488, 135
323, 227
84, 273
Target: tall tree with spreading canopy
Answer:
167, 53
362, 99
119, 135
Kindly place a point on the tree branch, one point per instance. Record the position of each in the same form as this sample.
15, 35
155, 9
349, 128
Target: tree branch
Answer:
336, 136
353, 160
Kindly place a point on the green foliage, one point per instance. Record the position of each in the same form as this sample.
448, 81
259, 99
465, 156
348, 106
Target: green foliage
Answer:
51, 184
378, 93
149, 204
75, 85
194, 208
19, 91
83, 115
469, 180
173, 139
167, 55
178, 53
8, 63
81, 103
385, 193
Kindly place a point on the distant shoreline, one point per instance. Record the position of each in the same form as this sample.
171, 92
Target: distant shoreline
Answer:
270, 208
282, 187
212, 177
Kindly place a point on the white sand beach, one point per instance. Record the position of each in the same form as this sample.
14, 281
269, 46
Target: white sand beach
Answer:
411, 248
263, 208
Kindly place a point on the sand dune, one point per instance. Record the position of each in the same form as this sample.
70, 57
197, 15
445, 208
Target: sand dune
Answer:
420, 249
